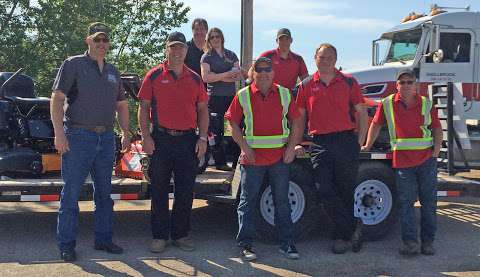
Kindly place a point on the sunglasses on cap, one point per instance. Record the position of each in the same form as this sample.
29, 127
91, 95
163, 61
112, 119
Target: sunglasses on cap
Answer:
263, 69
97, 40
409, 82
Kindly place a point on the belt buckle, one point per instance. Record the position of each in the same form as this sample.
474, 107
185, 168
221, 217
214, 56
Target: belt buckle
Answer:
99, 129
175, 133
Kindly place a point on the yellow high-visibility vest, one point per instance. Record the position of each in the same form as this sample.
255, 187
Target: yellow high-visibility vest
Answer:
275, 141
426, 141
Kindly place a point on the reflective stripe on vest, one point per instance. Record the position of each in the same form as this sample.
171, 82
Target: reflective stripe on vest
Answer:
408, 143
275, 141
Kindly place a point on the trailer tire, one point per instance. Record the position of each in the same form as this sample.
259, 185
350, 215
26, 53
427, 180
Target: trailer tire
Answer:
304, 206
375, 199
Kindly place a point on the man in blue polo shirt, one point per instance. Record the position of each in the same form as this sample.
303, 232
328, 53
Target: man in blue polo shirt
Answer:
196, 45
86, 95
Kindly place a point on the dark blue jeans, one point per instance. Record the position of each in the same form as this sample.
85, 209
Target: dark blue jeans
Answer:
92, 153
172, 155
422, 181
251, 181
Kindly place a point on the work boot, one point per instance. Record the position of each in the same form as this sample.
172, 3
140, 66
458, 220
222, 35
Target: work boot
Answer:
290, 251
427, 248
158, 245
68, 255
409, 248
185, 244
248, 254
357, 237
340, 246
108, 247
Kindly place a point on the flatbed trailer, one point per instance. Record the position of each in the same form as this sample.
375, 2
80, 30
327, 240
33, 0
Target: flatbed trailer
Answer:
48, 188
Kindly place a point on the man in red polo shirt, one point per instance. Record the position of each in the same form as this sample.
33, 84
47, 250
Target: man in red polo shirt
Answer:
412, 117
329, 99
268, 146
288, 66
173, 104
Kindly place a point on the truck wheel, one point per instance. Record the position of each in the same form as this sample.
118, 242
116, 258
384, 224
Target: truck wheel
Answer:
375, 199
303, 203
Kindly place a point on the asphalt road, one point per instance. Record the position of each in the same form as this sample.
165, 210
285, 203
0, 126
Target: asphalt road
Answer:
28, 248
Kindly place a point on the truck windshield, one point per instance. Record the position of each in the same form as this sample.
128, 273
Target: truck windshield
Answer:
403, 46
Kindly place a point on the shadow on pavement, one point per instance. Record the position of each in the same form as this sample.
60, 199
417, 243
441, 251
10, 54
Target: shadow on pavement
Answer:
28, 239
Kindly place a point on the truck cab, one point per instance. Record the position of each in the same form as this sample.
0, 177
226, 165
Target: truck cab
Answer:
440, 47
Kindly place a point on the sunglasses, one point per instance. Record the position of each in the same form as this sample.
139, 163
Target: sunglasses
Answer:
215, 36
104, 40
263, 69
405, 82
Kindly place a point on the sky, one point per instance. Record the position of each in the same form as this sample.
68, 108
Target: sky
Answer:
350, 25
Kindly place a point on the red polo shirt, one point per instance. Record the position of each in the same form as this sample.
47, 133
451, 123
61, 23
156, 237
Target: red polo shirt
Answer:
330, 107
267, 121
407, 123
173, 98
286, 71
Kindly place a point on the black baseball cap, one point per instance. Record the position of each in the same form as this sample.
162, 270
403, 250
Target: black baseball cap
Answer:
284, 32
176, 37
406, 71
97, 28
262, 60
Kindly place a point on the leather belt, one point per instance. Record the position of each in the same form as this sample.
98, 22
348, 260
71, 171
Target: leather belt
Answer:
96, 129
173, 132
335, 134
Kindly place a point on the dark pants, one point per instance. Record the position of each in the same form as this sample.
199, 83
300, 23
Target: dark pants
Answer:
217, 106
335, 163
173, 154
418, 181
90, 153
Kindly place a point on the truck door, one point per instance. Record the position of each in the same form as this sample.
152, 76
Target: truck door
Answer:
457, 63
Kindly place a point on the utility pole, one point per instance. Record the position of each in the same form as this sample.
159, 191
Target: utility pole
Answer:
246, 35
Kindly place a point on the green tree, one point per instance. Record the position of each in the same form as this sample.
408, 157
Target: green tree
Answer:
14, 26
39, 37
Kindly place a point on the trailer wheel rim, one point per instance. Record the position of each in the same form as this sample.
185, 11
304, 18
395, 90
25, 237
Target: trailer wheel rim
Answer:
381, 205
296, 198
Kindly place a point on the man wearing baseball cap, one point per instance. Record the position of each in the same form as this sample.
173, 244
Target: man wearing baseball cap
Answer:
85, 139
415, 138
267, 146
98, 28
288, 66
173, 105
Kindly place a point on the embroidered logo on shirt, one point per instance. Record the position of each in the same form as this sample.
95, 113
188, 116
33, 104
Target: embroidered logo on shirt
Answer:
112, 78
165, 81
315, 88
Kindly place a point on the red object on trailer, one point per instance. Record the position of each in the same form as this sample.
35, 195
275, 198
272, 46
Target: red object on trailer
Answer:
130, 163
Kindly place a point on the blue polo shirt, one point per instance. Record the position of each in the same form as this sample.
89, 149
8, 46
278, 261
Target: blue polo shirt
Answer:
91, 95
220, 65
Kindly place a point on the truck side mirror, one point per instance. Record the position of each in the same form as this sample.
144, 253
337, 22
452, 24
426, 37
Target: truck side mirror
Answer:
375, 53
438, 56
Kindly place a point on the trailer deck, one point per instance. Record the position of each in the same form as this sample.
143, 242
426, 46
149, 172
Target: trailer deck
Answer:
48, 188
